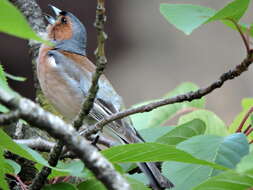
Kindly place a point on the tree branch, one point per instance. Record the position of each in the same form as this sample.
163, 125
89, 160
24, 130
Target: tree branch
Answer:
36, 116
190, 96
39, 144
43, 145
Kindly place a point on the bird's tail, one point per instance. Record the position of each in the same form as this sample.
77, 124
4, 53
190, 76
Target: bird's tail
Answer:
127, 135
156, 179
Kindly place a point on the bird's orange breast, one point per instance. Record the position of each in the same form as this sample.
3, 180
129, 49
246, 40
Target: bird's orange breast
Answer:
60, 91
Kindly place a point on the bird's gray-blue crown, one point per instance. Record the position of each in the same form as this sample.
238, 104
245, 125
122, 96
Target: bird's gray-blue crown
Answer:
77, 43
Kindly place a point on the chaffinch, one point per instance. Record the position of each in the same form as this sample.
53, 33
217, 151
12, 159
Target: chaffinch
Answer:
64, 74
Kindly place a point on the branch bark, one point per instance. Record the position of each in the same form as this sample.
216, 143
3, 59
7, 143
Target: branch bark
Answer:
38, 144
43, 145
36, 116
34, 16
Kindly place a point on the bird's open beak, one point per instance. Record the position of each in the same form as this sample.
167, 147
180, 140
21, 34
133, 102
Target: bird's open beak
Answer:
56, 11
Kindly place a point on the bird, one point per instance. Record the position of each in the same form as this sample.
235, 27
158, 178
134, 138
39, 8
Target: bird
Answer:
64, 73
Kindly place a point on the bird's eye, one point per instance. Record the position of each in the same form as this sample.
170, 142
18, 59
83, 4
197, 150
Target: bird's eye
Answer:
63, 20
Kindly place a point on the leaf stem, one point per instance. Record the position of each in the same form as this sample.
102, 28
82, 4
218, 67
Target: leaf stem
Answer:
244, 120
245, 41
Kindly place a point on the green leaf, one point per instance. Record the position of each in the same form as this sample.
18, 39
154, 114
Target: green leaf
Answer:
3, 81
16, 78
7, 143
225, 151
214, 125
139, 177
3, 183
227, 181
34, 156
183, 132
246, 164
186, 17
60, 186
91, 184
97, 185
234, 10
160, 115
21, 150
3, 109
72, 168
4, 85
246, 105
152, 134
136, 185
75, 167
152, 152
14, 23
26, 152
15, 166
142, 120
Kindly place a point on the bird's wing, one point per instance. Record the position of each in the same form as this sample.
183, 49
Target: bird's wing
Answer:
122, 128
107, 102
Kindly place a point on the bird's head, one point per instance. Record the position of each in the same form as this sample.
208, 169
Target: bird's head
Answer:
66, 31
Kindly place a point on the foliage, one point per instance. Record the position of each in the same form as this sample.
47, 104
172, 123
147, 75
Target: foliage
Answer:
226, 151
14, 23
200, 152
187, 17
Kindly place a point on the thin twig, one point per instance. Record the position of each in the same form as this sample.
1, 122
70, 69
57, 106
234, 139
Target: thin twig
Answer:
244, 120
41, 177
245, 41
56, 127
247, 129
247, 35
248, 132
100, 62
19, 181
106, 142
39, 144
